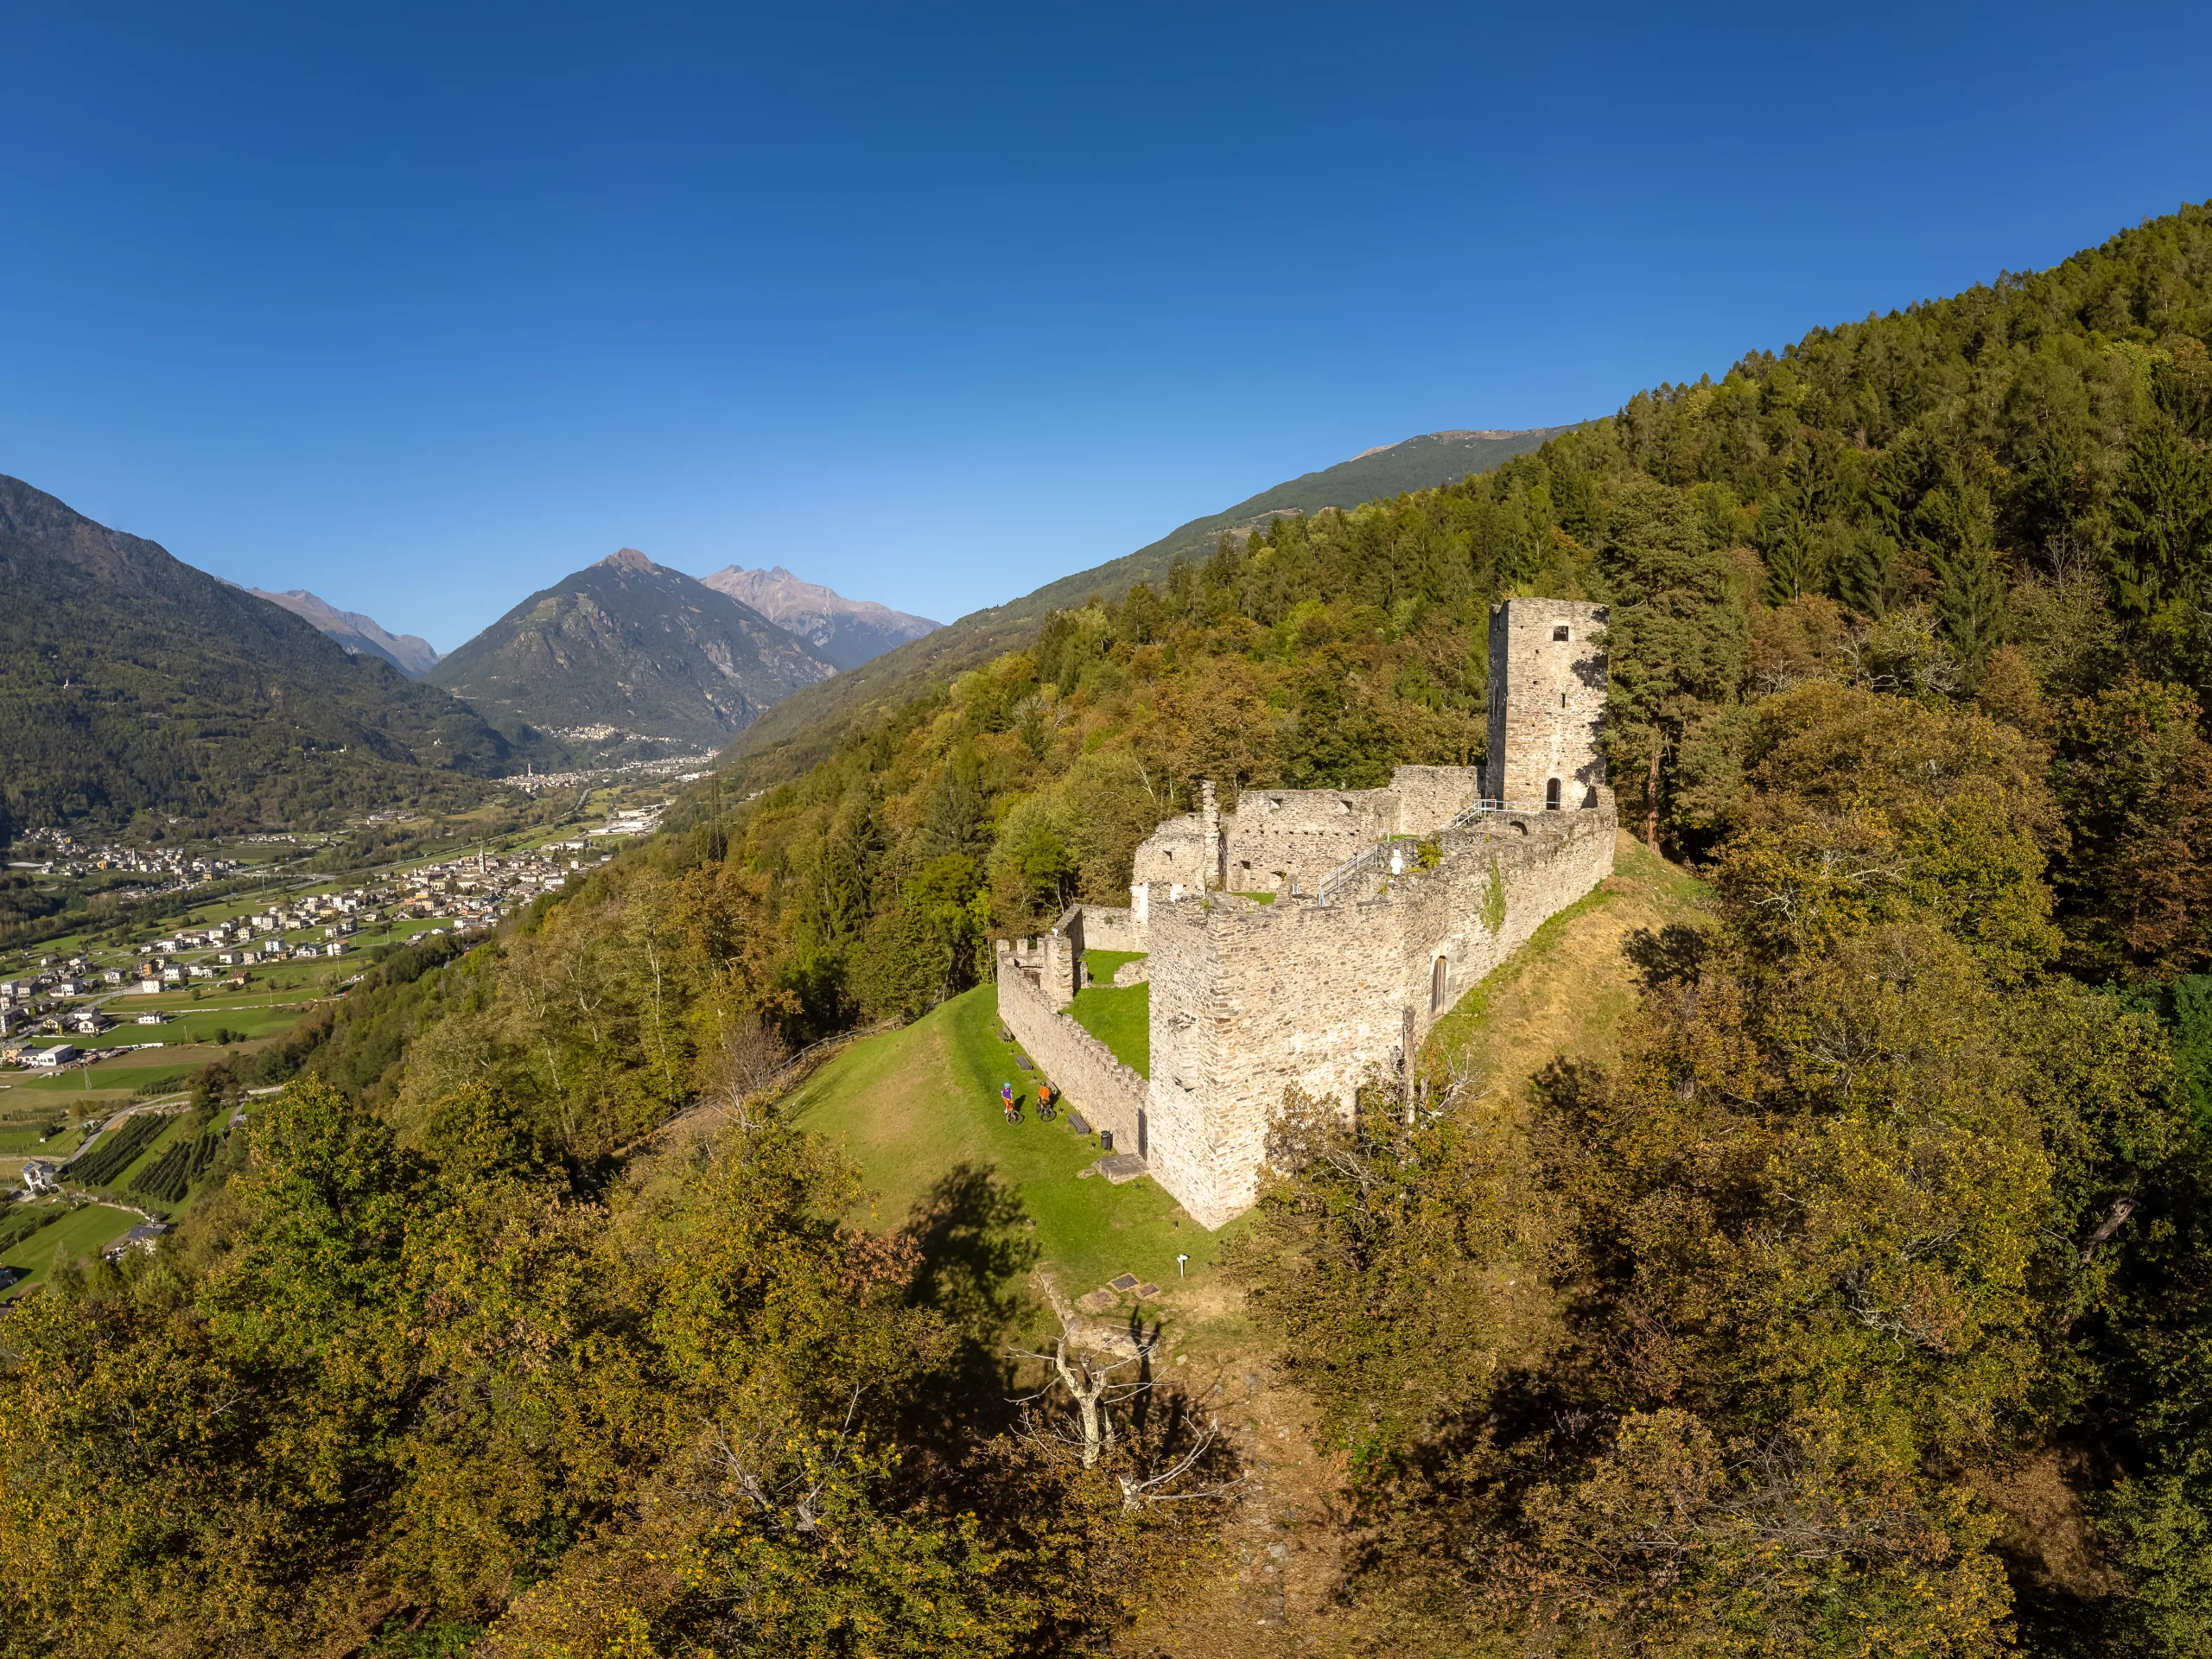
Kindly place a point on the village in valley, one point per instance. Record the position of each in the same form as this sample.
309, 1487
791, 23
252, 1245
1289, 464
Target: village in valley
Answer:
103, 1146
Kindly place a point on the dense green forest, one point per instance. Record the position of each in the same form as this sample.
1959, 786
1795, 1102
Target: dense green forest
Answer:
1861, 1307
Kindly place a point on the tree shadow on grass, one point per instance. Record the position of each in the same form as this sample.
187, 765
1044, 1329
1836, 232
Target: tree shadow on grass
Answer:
976, 1248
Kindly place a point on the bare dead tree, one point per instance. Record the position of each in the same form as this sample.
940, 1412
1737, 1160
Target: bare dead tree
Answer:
1161, 1487
1084, 1429
749, 1464
753, 1055
1095, 1385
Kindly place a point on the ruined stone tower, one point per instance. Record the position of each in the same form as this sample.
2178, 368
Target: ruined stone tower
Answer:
1547, 703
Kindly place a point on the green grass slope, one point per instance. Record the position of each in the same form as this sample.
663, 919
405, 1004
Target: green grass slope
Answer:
81, 1234
807, 725
1565, 993
914, 1107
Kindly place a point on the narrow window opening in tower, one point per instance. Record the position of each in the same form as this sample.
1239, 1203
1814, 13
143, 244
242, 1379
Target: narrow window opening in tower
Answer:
1438, 978
1551, 796
1562, 631
1562, 699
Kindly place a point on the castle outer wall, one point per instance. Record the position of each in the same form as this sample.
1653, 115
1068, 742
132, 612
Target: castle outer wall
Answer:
1250, 1000
1108, 1093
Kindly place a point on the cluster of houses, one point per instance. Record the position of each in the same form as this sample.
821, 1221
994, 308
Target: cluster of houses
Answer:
477, 888
60, 853
685, 768
40, 999
62, 998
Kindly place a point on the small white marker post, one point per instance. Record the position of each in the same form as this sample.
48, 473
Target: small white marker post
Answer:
1179, 1272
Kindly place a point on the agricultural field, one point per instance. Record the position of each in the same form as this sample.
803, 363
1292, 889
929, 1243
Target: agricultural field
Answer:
117, 1080
206, 1023
32, 1127
80, 1233
116, 1155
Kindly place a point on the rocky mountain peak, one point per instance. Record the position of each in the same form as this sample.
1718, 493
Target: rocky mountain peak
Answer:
849, 631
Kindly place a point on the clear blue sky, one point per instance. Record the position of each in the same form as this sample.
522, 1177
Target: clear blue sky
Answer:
422, 306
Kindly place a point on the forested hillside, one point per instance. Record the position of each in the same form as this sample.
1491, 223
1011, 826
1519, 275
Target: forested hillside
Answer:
812, 723
131, 683
1860, 1308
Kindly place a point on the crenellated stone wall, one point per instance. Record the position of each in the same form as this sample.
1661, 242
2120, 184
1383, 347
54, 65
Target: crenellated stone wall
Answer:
1100, 927
1278, 837
1431, 797
1108, 1093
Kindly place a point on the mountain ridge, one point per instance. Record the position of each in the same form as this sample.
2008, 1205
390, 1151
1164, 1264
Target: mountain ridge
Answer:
807, 725
637, 646
849, 632
411, 654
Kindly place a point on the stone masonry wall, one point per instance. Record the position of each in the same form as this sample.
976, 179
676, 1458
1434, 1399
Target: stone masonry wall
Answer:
1277, 836
1106, 928
1544, 862
1083, 1070
1173, 856
1547, 700
1431, 797
1248, 1001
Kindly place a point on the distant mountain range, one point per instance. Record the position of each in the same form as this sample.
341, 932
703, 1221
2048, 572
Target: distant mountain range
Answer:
633, 646
132, 684
808, 724
356, 633
849, 632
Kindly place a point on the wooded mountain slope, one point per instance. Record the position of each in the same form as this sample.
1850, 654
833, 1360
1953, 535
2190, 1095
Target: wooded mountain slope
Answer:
131, 683
632, 645
802, 731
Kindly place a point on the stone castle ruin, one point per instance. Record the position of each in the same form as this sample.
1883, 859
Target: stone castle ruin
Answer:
1310, 938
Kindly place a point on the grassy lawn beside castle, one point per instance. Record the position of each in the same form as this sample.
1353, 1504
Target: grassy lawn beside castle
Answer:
917, 1107
1102, 965
1120, 1018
